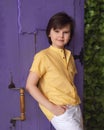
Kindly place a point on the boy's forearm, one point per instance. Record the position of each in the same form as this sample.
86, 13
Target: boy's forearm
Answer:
39, 97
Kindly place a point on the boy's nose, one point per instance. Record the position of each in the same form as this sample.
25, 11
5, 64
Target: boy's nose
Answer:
61, 34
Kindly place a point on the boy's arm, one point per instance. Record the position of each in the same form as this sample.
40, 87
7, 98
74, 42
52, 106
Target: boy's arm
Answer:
34, 91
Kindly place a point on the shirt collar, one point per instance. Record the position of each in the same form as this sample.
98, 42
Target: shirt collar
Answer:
58, 50
61, 52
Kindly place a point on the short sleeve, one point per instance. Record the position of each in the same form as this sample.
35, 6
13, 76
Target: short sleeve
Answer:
73, 65
38, 65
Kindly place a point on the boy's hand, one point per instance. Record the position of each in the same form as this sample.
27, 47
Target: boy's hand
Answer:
58, 110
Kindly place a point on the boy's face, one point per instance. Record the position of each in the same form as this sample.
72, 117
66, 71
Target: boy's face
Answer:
60, 37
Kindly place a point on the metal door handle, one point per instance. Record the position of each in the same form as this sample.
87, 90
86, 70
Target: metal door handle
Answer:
22, 116
22, 104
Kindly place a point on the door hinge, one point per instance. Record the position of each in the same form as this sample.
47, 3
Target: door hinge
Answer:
80, 57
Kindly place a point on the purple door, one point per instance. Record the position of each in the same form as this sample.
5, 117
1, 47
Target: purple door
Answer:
22, 34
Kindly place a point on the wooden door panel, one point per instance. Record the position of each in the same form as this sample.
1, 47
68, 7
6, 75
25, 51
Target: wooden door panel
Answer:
36, 13
22, 34
33, 20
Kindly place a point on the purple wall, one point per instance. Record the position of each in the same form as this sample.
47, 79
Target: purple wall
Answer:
20, 20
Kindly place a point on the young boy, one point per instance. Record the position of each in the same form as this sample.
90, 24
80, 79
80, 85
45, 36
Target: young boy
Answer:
51, 78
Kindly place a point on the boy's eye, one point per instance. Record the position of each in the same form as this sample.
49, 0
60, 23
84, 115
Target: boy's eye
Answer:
56, 31
66, 32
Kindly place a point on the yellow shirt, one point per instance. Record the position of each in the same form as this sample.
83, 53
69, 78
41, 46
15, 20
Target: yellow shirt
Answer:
56, 69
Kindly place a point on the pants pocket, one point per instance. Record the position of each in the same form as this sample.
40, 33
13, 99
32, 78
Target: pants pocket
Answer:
62, 116
70, 120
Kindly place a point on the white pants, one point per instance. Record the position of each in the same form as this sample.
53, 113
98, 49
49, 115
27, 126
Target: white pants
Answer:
70, 120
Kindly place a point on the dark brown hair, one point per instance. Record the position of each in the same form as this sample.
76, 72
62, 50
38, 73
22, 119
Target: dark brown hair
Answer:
58, 21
